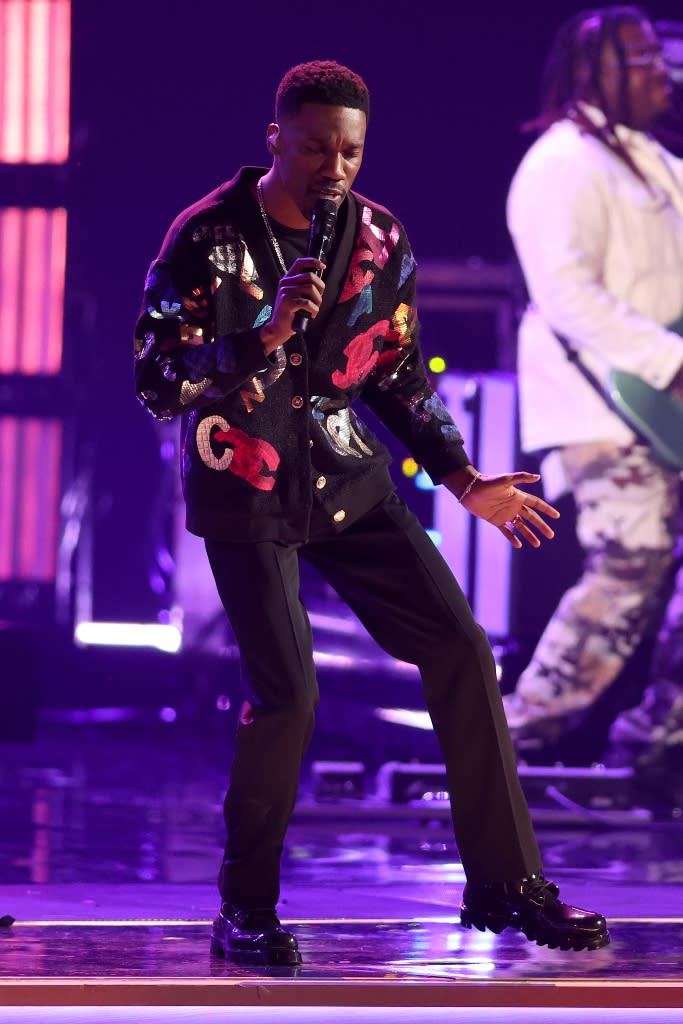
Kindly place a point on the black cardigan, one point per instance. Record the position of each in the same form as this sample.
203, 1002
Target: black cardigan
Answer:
265, 439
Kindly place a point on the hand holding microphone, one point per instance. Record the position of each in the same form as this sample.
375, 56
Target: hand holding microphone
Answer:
303, 282
320, 235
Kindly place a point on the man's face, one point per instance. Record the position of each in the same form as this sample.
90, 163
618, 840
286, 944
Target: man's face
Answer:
317, 153
648, 85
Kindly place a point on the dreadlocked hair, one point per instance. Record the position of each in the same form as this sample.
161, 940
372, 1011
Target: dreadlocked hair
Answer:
321, 81
572, 69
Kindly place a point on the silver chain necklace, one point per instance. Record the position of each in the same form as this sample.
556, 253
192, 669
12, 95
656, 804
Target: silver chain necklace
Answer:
269, 231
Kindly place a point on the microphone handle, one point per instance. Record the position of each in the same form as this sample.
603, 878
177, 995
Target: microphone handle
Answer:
319, 248
320, 240
301, 321
302, 318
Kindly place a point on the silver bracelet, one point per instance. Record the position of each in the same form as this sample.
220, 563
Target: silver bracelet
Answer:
469, 487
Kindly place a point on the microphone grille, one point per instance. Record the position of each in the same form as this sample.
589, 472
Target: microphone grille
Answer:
325, 212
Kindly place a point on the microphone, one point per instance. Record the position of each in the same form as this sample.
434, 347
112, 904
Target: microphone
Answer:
320, 234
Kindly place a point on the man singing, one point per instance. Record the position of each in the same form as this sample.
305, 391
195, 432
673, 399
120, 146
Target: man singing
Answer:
277, 466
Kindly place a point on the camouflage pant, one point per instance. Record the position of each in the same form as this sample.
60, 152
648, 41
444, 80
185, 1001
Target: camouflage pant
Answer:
656, 725
627, 513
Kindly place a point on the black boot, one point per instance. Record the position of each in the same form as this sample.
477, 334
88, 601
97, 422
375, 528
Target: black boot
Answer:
253, 937
531, 905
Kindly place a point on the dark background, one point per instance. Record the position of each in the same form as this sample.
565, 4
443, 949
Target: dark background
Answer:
169, 99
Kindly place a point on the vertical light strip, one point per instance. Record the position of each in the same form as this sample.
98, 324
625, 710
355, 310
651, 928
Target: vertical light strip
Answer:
12, 114
49, 472
35, 55
4, 49
32, 272
60, 80
8, 459
24, 43
51, 71
32, 482
26, 508
32, 299
494, 554
454, 527
37, 60
53, 297
10, 264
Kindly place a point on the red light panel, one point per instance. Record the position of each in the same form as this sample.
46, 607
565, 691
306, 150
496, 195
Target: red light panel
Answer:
35, 57
30, 486
32, 266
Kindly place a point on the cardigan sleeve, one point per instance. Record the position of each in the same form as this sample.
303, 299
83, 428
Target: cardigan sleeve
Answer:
400, 393
180, 364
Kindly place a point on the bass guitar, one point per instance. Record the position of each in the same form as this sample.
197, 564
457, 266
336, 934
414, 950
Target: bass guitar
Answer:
656, 415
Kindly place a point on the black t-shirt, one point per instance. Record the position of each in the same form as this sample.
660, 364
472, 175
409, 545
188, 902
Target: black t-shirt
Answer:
293, 242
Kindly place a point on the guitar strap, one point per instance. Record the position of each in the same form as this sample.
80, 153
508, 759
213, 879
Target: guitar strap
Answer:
574, 358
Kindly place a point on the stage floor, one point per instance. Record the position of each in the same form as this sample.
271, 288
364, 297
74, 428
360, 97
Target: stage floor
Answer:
108, 851
392, 943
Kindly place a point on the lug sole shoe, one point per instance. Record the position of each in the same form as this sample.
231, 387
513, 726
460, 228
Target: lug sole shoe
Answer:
253, 937
531, 905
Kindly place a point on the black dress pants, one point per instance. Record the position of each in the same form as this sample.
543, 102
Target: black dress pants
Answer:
391, 575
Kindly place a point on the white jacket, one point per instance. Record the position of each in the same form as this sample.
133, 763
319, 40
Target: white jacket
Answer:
603, 261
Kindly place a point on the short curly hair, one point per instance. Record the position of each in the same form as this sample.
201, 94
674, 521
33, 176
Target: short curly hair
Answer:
321, 81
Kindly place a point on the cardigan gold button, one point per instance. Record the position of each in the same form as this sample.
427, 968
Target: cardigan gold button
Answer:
297, 402
320, 482
296, 359
339, 516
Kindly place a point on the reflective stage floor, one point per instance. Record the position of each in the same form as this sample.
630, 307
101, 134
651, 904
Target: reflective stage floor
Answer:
110, 842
